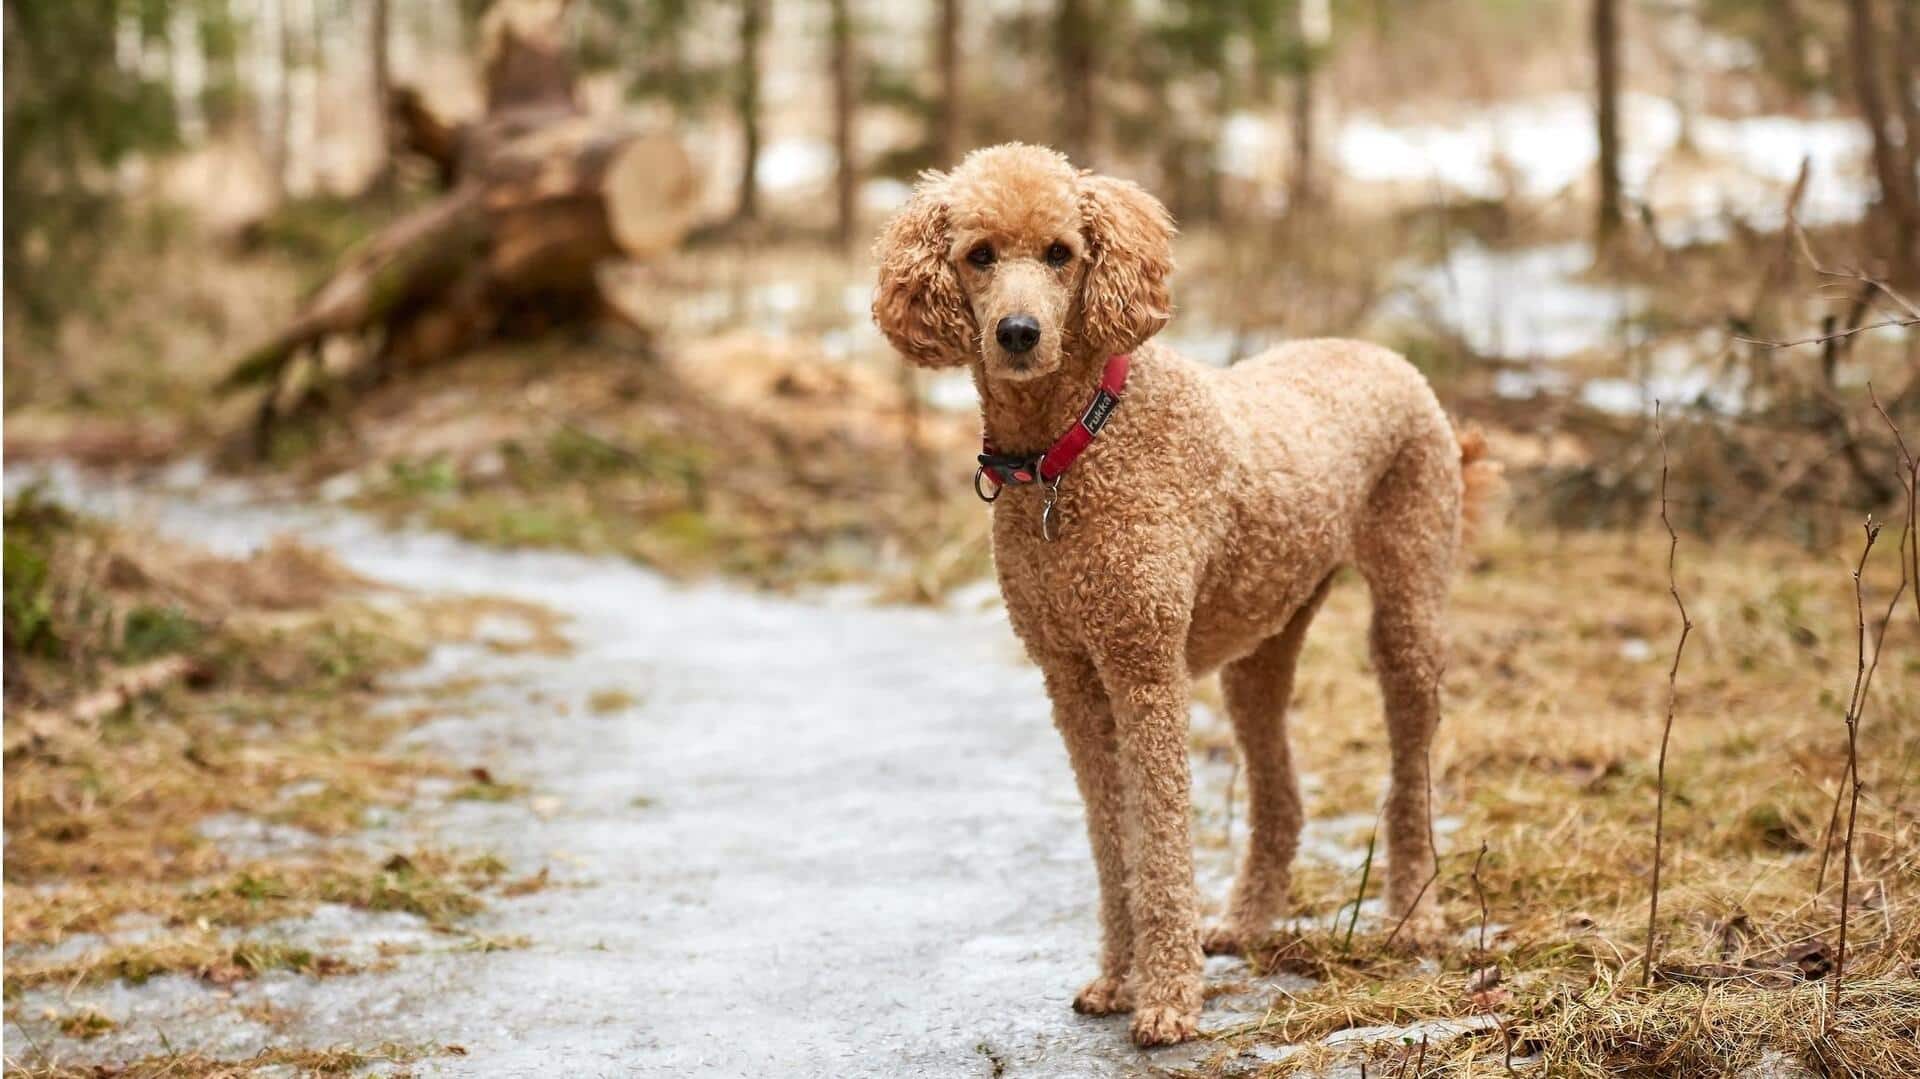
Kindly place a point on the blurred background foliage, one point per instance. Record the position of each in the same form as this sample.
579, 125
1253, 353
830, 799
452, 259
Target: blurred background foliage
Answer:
1560, 209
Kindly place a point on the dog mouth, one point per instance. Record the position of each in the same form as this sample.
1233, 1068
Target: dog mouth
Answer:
1020, 366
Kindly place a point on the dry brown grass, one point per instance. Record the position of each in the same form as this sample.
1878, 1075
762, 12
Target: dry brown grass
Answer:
1556, 702
747, 456
390, 1058
106, 814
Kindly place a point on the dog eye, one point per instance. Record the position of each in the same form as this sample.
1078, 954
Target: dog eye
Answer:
981, 256
1058, 254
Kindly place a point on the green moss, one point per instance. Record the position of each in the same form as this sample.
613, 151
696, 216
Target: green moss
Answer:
152, 631
33, 526
435, 475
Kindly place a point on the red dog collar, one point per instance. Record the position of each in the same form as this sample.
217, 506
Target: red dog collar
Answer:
1000, 469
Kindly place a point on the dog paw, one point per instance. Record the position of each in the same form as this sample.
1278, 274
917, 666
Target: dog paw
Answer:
1224, 938
1164, 1024
1104, 995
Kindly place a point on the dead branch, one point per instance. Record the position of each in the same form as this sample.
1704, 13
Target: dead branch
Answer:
124, 687
1863, 471
1666, 731
1480, 893
1854, 705
1910, 313
1910, 535
1823, 338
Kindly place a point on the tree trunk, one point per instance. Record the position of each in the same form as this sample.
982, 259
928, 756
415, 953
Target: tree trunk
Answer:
378, 30
278, 154
1315, 29
1906, 70
524, 56
747, 105
1305, 191
1606, 60
1077, 61
417, 130
529, 86
846, 176
1898, 197
947, 111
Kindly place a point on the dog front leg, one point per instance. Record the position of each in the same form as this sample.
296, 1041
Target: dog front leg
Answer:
1085, 719
1152, 724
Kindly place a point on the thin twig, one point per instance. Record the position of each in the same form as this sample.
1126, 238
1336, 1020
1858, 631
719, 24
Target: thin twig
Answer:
1872, 284
1854, 706
1481, 894
1820, 339
1833, 826
1666, 732
1910, 536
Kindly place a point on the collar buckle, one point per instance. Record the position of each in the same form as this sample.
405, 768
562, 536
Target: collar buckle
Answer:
998, 471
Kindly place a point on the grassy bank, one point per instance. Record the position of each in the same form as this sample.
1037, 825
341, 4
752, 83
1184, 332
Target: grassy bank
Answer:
1546, 772
161, 700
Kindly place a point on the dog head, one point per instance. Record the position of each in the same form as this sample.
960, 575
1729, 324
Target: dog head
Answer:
1017, 261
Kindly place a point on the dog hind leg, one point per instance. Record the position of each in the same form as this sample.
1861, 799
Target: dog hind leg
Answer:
1258, 688
1406, 547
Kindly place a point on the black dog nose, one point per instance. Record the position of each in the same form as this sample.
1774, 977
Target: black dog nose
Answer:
1017, 333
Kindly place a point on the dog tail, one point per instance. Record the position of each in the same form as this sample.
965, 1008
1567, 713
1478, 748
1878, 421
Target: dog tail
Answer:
1482, 483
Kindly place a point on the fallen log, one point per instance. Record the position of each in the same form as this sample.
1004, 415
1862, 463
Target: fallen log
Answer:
542, 196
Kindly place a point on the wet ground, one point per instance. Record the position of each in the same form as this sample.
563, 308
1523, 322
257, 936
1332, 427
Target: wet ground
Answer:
824, 838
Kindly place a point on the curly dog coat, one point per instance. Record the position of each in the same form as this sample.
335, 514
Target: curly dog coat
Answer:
1200, 531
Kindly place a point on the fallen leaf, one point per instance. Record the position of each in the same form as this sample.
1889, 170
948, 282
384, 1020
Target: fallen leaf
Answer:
1491, 1000
1812, 959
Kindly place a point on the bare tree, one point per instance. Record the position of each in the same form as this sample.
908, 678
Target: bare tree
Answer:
846, 177
753, 18
280, 125
1315, 28
1076, 58
947, 110
1606, 61
378, 29
1906, 81
1892, 149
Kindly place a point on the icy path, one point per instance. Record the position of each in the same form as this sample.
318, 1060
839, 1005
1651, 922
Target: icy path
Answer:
826, 839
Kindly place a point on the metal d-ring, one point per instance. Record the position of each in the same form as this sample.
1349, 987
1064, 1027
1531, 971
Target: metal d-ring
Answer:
1046, 511
979, 474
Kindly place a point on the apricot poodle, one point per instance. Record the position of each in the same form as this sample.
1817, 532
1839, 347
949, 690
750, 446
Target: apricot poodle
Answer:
1199, 531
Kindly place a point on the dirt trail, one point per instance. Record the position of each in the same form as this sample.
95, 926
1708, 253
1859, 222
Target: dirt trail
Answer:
824, 838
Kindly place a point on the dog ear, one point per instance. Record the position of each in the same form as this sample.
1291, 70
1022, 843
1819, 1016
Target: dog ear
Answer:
918, 304
1123, 299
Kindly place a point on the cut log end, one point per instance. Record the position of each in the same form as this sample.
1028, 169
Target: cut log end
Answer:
650, 192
